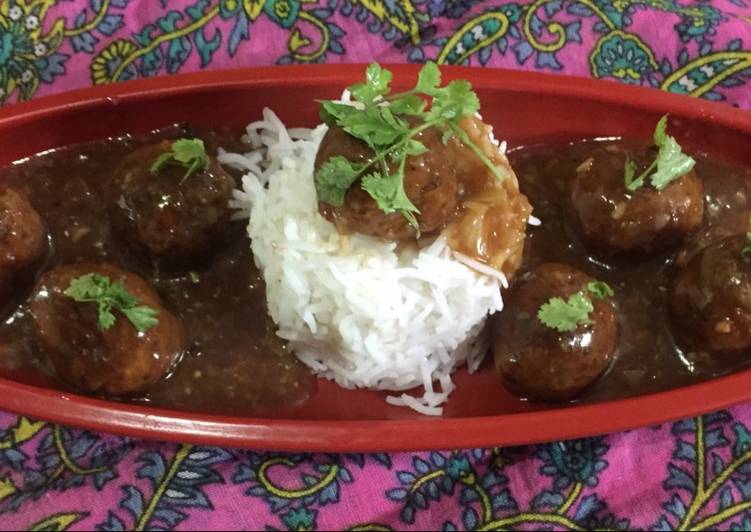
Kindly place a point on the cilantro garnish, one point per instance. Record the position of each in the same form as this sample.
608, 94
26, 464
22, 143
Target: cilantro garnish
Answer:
188, 153
600, 289
334, 178
109, 296
670, 164
566, 316
381, 121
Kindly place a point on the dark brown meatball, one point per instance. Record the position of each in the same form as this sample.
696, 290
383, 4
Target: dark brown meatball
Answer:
542, 363
429, 181
22, 237
116, 361
611, 219
711, 298
170, 220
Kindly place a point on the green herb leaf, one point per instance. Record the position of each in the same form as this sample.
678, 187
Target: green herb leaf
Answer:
566, 316
453, 102
335, 112
109, 296
671, 163
410, 105
89, 286
411, 147
376, 84
106, 317
661, 131
629, 169
388, 191
142, 317
334, 178
429, 78
188, 153
161, 161
600, 289
123, 298
380, 122
378, 127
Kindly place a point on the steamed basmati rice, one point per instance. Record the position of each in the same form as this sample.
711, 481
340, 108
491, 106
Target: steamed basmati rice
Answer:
353, 308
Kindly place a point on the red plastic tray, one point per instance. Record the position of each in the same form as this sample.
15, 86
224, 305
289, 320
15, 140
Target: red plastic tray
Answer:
523, 107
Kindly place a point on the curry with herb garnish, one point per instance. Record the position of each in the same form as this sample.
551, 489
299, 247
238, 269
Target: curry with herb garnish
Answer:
123, 274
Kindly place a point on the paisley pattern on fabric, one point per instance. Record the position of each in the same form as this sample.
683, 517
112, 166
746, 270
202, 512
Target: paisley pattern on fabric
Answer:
694, 474
691, 475
48, 46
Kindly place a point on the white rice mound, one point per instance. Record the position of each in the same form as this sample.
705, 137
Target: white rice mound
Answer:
353, 308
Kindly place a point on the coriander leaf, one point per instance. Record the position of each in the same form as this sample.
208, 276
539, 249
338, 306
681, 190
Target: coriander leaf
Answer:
376, 126
121, 296
84, 286
143, 318
629, 169
600, 289
188, 153
661, 130
454, 101
410, 147
335, 112
672, 163
387, 115
410, 105
106, 317
109, 296
414, 147
161, 161
388, 192
376, 84
334, 178
566, 316
188, 150
429, 78
446, 137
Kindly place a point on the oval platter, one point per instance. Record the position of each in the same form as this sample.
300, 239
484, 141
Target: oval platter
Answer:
524, 108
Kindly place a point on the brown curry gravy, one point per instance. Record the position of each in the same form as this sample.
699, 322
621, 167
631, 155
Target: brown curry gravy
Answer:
648, 359
234, 364
237, 365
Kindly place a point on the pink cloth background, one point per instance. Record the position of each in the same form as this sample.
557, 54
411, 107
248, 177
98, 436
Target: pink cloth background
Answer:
694, 474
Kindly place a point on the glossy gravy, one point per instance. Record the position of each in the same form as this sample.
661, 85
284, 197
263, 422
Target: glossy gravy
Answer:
648, 358
237, 365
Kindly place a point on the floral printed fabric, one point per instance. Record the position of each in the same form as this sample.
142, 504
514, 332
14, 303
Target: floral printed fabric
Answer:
694, 474
693, 47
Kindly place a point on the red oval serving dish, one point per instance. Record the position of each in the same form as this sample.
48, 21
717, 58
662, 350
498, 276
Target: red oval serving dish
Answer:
524, 108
